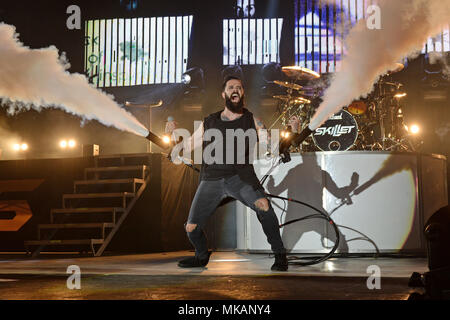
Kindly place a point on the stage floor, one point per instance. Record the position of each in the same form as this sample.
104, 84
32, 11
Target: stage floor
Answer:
229, 275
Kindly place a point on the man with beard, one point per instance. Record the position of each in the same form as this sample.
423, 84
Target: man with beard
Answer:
220, 179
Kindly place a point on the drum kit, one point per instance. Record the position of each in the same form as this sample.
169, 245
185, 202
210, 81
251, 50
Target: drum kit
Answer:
372, 123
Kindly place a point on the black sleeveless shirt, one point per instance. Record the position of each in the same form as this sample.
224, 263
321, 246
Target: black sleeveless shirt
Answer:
224, 169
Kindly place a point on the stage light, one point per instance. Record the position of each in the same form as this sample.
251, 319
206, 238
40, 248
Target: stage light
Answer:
414, 129
166, 139
20, 147
72, 143
194, 78
436, 281
285, 134
64, 144
186, 79
130, 5
233, 71
272, 71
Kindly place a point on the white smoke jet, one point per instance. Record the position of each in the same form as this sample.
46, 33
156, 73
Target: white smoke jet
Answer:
38, 78
405, 27
439, 58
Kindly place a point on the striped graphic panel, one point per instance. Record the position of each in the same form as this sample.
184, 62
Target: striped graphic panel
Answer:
319, 35
251, 41
137, 51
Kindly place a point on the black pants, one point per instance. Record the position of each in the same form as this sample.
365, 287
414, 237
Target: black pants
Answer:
208, 197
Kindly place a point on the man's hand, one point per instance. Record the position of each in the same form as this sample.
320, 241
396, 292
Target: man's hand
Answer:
294, 122
170, 127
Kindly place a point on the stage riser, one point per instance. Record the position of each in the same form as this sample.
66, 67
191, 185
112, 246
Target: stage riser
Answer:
154, 224
395, 195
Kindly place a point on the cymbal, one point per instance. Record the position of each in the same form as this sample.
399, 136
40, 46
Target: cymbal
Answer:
312, 89
288, 85
297, 100
397, 85
310, 92
282, 97
302, 100
300, 73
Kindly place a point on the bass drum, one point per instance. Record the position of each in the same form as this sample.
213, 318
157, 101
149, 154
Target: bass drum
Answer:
339, 133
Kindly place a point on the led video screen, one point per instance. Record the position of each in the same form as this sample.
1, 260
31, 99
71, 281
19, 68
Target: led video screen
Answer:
318, 32
439, 43
137, 51
251, 41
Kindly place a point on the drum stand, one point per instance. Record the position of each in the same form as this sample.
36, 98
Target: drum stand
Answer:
391, 142
286, 108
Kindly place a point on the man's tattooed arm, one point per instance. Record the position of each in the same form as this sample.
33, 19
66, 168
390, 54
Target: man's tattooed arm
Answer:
263, 135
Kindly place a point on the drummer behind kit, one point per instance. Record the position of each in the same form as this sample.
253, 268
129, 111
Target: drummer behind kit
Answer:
374, 123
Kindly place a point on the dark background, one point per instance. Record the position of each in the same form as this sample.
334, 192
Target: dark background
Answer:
43, 23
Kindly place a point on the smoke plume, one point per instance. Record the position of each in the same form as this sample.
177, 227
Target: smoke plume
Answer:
405, 27
440, 58
31, 78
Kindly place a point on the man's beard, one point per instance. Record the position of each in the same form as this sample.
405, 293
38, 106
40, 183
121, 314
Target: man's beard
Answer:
234, 107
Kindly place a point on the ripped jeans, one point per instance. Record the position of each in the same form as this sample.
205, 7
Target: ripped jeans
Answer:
208, 197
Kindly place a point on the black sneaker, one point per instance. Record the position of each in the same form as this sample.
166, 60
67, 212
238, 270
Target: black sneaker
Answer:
281, 262
194, 262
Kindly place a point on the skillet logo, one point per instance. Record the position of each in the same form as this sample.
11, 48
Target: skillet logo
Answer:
14, 214
22, 214
336, 131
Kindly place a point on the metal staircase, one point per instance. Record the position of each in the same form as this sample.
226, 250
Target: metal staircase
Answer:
91, 216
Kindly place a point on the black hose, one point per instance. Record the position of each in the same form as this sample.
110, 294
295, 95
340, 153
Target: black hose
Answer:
320, 215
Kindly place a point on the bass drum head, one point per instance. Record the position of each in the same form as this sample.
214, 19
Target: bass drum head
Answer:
339, 133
